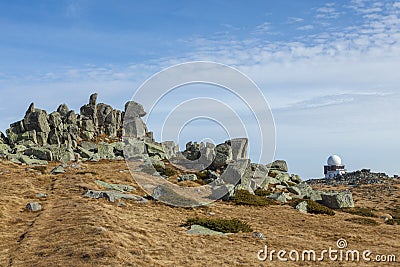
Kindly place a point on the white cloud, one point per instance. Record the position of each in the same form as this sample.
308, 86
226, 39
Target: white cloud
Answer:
306, 27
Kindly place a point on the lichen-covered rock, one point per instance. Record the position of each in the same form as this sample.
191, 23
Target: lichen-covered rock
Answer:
187, 177
39, 153
302, 207
105, 150
223, 156
33, 206
281, 197
279, 165
338, 200
239, 148
36, 119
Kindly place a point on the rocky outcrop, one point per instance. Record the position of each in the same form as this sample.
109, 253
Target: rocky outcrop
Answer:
58, 135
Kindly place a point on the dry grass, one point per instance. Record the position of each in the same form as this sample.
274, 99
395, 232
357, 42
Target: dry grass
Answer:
72, 230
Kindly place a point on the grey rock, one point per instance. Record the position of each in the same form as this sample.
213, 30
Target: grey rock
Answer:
223, 156
55, 121
63, 110
155, 150
58, 170
295, 178
115, 187
258, 235
271, 180
39, 153
88, 125
279, 165
235, 171
133, 148
86, 135
3, 138
223, 192
338, 200
302, 207
294, 190
85, 153
105, 150
112, 196
134, 109
93, 99
281, 197
27, 160
92, 147
187, 177
134, 127
201, 230
36, 120
33, 206
239, 148
4, 149
41, 138
170, 148
41, 195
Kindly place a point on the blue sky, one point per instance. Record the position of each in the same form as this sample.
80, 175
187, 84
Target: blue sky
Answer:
329, 69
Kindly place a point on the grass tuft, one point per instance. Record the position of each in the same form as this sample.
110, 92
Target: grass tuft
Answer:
363, 221
365, 212
220, 225
243, 197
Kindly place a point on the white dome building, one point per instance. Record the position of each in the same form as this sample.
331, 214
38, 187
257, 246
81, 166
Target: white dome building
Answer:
334, 167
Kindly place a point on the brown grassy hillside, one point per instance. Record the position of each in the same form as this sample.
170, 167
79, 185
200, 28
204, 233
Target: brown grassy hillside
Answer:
73, 230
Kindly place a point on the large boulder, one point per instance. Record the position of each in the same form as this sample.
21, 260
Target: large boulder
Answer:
279, 165
134, 127
338, 200
236, 172
105, 150
134, 109
39, 153
36, 119
134, 148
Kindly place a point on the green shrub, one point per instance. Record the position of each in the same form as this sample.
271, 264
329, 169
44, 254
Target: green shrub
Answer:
316, 208
220, 225
262, 192
164, 171
363, 221
243, 197
202, 175
365, 212
393, 221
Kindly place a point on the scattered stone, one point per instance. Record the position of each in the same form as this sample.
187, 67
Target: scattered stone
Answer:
112, 196
258, 235
302, 207
41, 195
201, 230
33, 206
58, 170
187, 177
281, 197
116, 187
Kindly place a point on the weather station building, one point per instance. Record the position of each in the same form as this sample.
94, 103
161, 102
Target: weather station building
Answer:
334, 167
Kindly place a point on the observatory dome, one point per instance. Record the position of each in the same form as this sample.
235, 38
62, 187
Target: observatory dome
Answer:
334, 160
